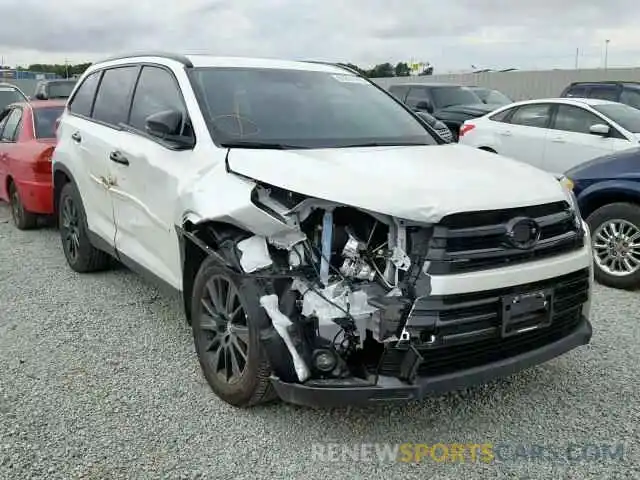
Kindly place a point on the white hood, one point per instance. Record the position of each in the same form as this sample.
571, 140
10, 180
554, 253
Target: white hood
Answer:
419, 183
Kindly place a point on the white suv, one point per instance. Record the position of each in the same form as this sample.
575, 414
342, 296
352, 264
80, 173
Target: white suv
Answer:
329, 248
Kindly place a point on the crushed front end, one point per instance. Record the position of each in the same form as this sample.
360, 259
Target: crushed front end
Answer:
368, 308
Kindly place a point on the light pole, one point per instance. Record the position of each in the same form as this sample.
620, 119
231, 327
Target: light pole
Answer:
606, 53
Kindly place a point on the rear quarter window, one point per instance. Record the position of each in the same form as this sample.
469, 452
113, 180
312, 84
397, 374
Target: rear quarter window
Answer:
501, 116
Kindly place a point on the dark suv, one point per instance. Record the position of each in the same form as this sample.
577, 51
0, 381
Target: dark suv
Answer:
449, 103
623, 92
50, 89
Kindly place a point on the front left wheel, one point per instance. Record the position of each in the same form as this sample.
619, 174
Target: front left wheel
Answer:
226, 321
615, 238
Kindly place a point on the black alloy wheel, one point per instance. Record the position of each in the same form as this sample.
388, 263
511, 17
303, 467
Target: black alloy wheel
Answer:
224, 325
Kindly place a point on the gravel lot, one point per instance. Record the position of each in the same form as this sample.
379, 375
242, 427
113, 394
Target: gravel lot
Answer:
99, 379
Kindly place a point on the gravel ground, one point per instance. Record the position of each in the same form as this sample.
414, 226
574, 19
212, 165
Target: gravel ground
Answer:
99, 379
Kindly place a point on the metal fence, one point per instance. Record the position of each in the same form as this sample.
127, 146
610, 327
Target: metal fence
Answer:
523, 85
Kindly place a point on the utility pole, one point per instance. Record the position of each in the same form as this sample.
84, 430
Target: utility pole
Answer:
606, 53
66, 68
577, 55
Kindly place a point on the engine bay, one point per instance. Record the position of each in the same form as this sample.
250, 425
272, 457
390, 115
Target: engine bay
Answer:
342, 286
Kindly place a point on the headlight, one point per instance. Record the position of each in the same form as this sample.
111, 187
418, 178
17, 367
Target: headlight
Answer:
567, 183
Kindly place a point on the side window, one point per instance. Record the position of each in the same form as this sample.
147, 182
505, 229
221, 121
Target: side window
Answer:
4, 116
630, 97
579, 91
417, 94
12, 126
83, 99
575, 119
604, 92
501, 116
114, 95
156, 91
534, 115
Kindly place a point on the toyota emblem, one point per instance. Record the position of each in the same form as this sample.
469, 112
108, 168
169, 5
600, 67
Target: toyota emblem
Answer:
523, 233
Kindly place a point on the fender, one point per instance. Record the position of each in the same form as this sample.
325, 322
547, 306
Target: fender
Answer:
607, 187
59, 167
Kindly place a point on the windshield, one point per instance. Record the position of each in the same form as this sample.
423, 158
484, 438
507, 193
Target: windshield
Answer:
9, 95
449, 96
493, 97
625, 116
60, 89
45, 121
304, 109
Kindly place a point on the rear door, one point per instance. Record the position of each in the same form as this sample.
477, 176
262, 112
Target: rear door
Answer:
570, 142
109, 115
78, 149
524, 135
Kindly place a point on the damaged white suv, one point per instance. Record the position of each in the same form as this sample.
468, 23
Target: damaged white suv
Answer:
328, 247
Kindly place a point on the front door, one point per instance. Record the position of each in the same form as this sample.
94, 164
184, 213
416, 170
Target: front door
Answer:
570, 142
146, 174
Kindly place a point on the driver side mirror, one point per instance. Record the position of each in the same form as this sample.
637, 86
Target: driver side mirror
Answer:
425, 106
167, 125
600, 129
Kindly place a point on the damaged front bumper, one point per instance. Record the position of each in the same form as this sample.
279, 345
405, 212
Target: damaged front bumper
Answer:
343, 392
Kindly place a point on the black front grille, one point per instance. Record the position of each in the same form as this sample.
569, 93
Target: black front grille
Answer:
463, 331
473, 241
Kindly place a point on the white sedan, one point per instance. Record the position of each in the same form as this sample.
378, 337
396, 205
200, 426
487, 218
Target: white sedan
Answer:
555, 134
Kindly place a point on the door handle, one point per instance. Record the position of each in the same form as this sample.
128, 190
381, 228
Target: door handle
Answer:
558, 140
75, 136
118, 157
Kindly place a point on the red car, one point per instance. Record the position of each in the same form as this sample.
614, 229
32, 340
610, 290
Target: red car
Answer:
27, 140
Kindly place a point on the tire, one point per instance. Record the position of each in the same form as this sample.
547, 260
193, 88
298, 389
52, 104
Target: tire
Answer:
22, 219
627, 216
252, 386
81, 255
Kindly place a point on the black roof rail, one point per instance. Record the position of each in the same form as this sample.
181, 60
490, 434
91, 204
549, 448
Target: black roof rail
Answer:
168, 55
335, 64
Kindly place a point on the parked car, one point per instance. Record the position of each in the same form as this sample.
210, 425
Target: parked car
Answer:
54, 89
555, 134
608, 193
27, 141
491, 96
623, 92
10, 94
452, 104
328, 247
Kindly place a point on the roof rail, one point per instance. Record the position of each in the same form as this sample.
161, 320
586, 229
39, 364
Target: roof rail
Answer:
168, 55
335, 64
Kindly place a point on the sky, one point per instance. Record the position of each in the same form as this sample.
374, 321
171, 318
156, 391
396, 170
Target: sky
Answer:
453, 35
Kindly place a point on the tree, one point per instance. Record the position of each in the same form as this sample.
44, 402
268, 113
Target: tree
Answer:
402, 69
382, 70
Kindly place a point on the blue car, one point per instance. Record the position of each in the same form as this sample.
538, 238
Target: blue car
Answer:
608, 194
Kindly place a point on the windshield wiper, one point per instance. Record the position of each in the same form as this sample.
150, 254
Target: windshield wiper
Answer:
259, 145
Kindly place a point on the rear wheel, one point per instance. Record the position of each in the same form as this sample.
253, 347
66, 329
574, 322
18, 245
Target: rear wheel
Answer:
81, 255
615, 237
22, 219
226, 321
